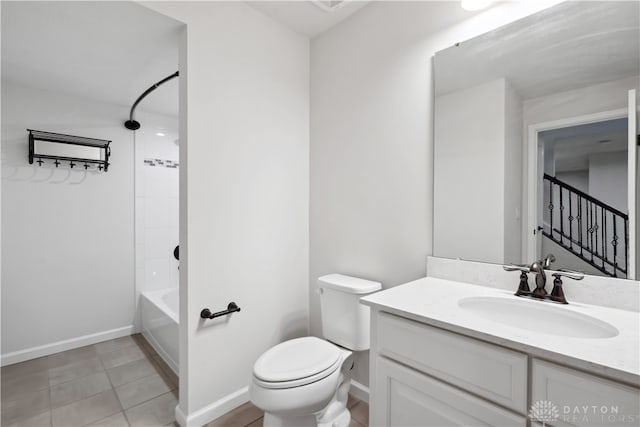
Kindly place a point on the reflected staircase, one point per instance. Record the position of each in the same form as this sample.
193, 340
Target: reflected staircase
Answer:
594, 231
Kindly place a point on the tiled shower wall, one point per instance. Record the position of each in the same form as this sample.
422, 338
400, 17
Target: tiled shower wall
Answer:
156, 177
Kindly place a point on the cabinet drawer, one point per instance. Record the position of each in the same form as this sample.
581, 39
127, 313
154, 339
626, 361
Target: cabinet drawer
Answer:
404, 397
582, 399
495, 373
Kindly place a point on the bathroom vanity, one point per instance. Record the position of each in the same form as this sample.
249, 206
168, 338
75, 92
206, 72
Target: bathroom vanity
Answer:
450, 353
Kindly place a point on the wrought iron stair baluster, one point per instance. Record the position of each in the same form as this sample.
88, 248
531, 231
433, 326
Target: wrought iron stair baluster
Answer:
591, 223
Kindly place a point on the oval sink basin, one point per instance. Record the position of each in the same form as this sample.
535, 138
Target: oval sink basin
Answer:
538, 316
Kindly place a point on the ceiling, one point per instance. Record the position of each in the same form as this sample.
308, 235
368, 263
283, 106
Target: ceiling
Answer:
306, 18
112, 51
569, 46
574, 145
105, 51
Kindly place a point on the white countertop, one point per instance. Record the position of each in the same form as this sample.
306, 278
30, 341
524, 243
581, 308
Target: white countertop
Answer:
435, 302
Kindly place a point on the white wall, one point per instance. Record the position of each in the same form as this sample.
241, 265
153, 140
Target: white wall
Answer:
608, 183
67, 235
593, 99
577, 179
371, 138
469, 171
479, 142
244, 191
608, 179
512, 169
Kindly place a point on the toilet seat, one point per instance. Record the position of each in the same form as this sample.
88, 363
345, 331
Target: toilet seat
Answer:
296, 362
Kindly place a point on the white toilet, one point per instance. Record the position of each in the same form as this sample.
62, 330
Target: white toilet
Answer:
305, 381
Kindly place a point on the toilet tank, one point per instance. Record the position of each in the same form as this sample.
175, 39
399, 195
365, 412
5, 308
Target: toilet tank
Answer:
344, 320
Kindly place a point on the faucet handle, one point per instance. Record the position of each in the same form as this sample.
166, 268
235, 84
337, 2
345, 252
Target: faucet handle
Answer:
516, 267
523, 286
557, 294
575, 275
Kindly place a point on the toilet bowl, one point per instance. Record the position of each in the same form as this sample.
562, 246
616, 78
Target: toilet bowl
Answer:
298, 379
305, 381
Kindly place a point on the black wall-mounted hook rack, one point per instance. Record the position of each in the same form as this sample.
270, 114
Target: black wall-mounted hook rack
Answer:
41, 148
231, 308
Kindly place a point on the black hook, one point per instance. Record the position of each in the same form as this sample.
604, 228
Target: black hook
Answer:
40, 162
71, 164
86, 166
57, 163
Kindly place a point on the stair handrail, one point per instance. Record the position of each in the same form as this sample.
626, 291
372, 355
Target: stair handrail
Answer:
594, 253
586, 196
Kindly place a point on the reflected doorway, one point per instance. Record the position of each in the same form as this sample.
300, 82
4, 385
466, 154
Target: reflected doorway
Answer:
585, 214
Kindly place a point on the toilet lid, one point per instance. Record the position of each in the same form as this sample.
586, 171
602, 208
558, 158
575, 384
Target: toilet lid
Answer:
296, 359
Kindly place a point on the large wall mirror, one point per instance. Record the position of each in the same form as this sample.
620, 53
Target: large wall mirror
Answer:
536, 141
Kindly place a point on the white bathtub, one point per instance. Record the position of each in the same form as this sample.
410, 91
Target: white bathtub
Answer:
160, 319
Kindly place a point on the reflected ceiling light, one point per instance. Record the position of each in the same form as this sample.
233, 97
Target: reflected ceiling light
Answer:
160, 134
475, 4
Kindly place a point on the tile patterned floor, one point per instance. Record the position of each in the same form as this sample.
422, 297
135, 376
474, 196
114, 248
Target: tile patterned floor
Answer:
121, 382
117, 383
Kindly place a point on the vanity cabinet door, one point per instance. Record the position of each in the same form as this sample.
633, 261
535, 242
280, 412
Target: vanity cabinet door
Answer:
404, 397
496, 373
581, 399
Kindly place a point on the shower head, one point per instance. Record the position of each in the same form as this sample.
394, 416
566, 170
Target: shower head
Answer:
132, 125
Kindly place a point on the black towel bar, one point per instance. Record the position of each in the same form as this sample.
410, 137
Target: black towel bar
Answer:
231, 308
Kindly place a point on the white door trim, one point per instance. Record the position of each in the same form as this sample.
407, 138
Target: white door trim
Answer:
632, 169
534, 209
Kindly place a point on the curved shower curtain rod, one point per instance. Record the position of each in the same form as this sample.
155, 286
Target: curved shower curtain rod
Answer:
134, 125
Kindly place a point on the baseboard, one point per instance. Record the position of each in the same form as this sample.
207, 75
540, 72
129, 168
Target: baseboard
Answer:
56, 347
214, 410
359, 391
181, 418
233, 400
